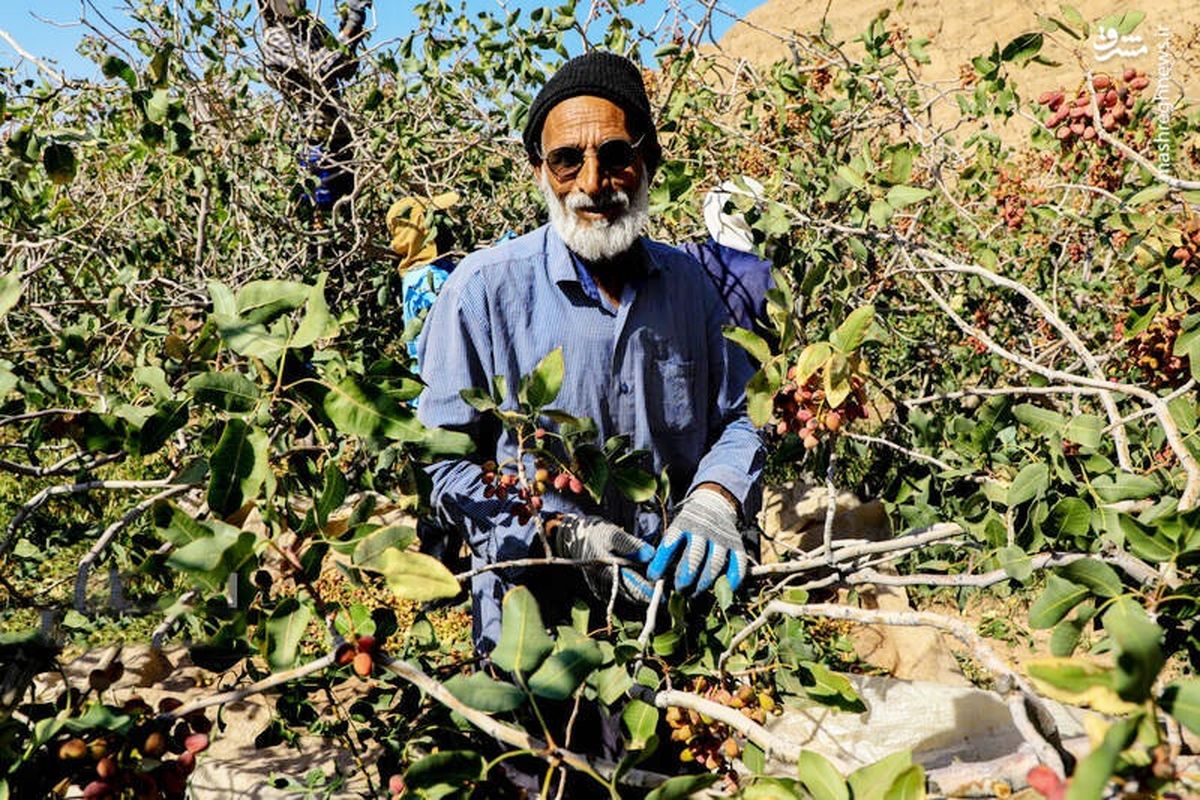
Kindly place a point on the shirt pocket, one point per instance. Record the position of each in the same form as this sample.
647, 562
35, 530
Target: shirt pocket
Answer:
670, 387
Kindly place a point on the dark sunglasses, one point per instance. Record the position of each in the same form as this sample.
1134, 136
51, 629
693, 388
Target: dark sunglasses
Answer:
614, 155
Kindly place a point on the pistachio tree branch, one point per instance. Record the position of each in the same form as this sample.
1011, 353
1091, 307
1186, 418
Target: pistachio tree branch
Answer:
1029, 712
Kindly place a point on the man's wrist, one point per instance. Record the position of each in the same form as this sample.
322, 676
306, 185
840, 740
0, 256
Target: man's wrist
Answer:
721, 490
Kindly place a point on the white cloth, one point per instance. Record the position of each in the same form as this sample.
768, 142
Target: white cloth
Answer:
731, 230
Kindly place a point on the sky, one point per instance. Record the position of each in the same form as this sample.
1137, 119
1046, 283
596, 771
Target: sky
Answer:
49, 29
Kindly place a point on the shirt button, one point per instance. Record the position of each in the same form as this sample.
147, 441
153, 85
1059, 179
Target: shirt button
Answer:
624, 387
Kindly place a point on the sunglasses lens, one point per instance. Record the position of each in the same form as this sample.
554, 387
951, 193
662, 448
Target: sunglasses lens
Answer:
564, 161
616, 155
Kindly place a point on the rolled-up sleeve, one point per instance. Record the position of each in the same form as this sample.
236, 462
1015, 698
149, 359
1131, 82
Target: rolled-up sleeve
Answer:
737, 455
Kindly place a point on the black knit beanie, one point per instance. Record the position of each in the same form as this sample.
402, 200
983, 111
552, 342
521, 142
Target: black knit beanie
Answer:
599, 74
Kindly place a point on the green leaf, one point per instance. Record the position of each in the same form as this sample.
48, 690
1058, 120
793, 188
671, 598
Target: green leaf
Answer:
318, 323
812, 358
830, 688
873, 781
1093, 772
1084, 430
250, 340
837, 380
211, 559
1095, 575
901, 196
636, 484
1125, 486
683, 787
414, 576
1068, 517
369, 552
1129, 21
820, 778
285, 628
1055, 602
157, 106
760, 395
98, 717
10, 292
1030, 482
228, 391
853, 330
560, 675
360, 409
59, 162
541, 386
1139, 648
478, 399
752, 343
482, 693
113, 67
154, 379
1042, 421
259, 302
1151, 547
238, 466
909, 785
851, 176
612, 683
1022, 48
880, 212
449, 768
523, 638
1181, 699
1151, 193
640, 720
1065, 637
1016, 563
224, 304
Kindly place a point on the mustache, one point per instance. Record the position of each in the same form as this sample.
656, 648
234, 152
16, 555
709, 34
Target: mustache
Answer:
607, 200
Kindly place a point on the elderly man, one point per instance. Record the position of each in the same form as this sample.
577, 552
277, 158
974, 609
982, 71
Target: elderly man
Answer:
640, 329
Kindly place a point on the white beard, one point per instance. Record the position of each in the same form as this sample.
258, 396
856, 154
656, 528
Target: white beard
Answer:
598, 240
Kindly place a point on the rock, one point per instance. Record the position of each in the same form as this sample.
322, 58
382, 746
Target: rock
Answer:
913, 653
793, 519
942, 725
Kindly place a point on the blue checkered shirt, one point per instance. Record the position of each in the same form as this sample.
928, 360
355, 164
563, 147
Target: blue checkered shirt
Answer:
655, 368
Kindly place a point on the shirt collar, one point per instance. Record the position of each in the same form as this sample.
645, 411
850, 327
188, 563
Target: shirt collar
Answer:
566, 267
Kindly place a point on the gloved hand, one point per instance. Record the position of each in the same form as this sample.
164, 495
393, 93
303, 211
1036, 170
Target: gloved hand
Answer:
588, 537
705, 532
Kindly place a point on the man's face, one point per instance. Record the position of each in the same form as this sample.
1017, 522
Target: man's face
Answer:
601, 209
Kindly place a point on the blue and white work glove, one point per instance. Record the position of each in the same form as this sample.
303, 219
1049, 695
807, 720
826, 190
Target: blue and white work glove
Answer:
706, 537
589, 537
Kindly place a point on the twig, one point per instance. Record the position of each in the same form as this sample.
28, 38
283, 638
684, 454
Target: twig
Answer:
830, 509
1135, 156
1118, 433
37, 62
859, 437
160, 633
39, 499
935, 533
512, 736
1191, 492
1019, 695
769, 742
545, 562
66, 464
266, 684
85, 564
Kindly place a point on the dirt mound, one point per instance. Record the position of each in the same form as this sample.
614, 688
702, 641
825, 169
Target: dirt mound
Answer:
958, 33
